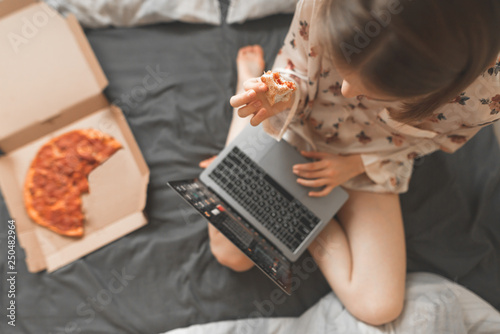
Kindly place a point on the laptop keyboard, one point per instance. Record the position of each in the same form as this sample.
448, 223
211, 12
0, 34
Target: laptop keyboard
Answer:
275, 208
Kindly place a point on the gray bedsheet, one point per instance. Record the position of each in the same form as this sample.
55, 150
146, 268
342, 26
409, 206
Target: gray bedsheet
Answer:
173, 82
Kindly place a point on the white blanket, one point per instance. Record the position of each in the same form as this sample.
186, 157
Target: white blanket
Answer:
433, 305
128, 13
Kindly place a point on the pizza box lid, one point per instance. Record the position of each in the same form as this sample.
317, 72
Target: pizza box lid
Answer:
53, 81
51, 68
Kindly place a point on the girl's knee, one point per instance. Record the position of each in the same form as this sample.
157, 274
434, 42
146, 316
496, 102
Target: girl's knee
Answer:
379, 312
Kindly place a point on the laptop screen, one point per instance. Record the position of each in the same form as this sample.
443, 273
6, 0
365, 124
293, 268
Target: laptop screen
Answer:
265, 256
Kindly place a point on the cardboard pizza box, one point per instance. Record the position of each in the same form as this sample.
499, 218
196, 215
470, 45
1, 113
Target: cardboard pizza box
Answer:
51, 83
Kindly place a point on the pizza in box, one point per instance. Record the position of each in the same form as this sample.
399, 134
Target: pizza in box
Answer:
58, 176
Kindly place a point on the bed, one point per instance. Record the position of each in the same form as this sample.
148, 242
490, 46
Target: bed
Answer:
163, 276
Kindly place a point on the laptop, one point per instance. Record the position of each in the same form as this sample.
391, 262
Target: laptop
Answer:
250, 194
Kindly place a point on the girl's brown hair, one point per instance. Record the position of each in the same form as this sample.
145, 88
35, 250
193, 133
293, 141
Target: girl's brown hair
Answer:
422, 51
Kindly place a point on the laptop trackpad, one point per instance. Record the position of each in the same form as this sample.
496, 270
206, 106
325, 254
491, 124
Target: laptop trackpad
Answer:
278, 164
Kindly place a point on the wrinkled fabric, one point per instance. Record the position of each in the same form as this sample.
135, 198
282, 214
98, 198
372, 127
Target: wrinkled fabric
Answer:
130, 13
432, 305
173, 82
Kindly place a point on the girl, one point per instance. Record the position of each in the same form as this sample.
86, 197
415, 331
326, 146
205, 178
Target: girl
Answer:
380, 82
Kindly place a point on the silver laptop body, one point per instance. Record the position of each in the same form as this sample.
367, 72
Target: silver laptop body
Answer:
275, 159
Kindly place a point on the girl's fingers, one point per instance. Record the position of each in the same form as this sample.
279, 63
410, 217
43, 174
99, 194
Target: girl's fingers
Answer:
256, 85
321, 193
316, 174
312, 166
239, 100
313, 183
260, 116
252, 88
315, 155
250, 108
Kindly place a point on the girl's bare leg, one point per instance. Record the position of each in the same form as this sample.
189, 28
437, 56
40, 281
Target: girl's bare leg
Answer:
363, 256
250, 64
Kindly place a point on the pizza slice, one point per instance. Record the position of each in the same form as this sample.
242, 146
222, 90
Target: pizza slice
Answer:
58, 175
279, 90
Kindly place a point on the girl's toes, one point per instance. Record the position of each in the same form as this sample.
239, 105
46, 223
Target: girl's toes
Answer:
258, 49
245, 50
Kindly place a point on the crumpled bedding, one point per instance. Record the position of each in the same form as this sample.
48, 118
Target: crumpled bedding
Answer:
433, 304
163, 276
130, 13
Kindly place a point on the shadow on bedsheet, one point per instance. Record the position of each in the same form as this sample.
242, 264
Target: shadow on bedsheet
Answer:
173, 82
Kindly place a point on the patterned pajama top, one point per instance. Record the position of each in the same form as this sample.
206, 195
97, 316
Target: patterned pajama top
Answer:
322, 119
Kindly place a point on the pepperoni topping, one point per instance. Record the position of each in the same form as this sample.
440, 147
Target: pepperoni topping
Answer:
82, 184
61, 169
39, 180
68, 140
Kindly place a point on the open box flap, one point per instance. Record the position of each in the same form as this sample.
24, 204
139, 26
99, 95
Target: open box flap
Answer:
50, 68
112, 207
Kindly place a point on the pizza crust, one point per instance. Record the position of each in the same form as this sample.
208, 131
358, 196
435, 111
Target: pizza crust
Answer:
58, 176
279, 90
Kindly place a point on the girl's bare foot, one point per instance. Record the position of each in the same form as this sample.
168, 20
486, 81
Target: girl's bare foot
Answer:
250, 64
